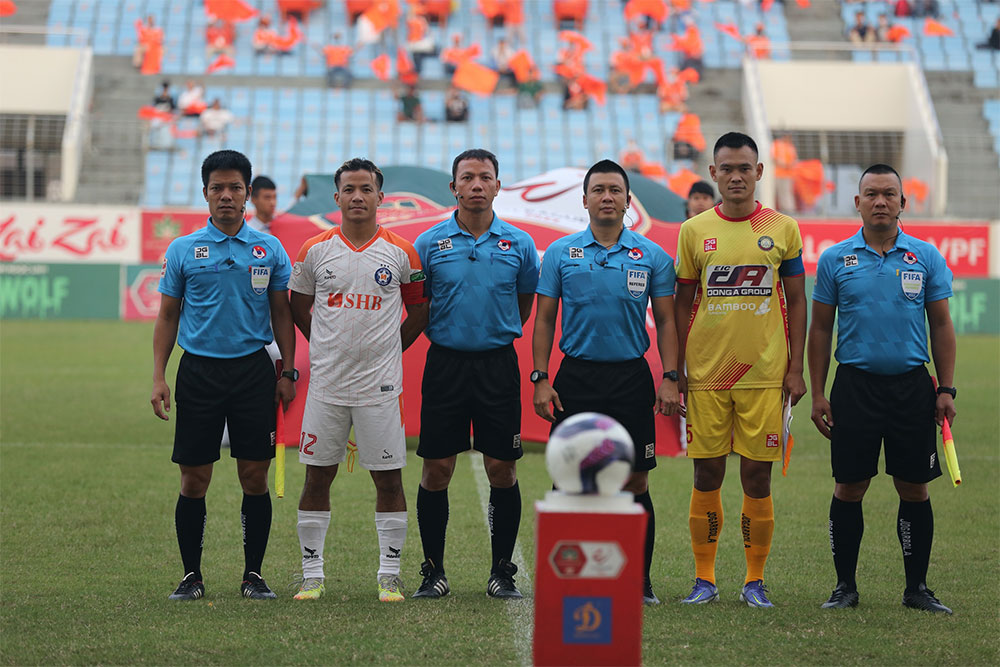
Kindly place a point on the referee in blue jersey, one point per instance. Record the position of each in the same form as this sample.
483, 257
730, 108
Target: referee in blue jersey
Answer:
606, 275
481, 278
223, 289
882, 283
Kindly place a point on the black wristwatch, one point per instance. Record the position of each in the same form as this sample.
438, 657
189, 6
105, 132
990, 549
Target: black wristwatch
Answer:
538, 375
947, 390
292, 374
670, 375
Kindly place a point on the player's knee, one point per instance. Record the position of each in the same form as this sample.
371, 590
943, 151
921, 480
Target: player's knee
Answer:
638, 483
853, 492
436, 474
195, 481
318, 480
910, 492
388, 483
709, 473
253, 477
501, 474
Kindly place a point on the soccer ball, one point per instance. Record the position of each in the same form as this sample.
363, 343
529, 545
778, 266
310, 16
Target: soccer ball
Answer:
590, 453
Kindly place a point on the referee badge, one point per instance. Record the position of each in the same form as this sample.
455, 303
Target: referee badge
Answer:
444, 244
909, 258
850, 260
635, 254
637, 282
912, 283
258, 252
503, 244
260, 278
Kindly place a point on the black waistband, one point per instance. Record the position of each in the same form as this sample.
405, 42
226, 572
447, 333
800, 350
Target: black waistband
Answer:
199, 357
916, 371
473, 354
628, 363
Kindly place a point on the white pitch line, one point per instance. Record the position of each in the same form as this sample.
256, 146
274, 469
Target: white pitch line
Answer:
520, 613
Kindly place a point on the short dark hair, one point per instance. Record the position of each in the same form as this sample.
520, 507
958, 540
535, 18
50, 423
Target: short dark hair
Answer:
879, 168
734, 140
359, 164
226, 159
262, 183
475, 154
606, 167
701, 187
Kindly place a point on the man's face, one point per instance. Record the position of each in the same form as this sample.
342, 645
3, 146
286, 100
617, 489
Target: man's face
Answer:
699, 202
736, 171
358, 196
475, 185
606, 199
264, 203
879, 201
226, 194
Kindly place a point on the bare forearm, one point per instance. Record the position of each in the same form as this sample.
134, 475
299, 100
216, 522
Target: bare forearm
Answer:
819, 360
943, 347
541, 343
796, 334
164, 337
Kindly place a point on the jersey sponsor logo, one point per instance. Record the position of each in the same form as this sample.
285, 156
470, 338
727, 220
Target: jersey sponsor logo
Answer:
355, 301
260, 278
201, 252
739, 280
163, 268
385, 457
650, 450
258, 252
576, 253
310, 554
765, 243
503, 244
710, 244
517, 441
635, 254
637, 281
850, 260
386, 387
912, 283
444, 244
383, 276
297, 269
772, 440
417, 276
909, 258
933, 459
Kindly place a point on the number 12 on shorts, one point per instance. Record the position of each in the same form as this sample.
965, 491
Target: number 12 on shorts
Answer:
306, 441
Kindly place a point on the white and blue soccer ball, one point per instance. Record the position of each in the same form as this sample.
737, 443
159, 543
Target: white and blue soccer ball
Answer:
590, 453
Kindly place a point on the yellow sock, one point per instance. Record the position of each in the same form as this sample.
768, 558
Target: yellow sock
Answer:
758, 527
705, 520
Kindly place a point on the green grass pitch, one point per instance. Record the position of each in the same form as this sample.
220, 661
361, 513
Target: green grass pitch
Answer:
88, 553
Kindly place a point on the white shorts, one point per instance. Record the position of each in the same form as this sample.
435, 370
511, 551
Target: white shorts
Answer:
378, 434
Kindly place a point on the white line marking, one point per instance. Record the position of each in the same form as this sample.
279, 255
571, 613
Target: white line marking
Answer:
520, 613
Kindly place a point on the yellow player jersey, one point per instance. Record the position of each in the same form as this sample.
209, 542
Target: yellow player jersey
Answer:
738, 334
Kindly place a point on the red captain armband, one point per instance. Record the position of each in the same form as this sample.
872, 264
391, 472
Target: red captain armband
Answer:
413, 293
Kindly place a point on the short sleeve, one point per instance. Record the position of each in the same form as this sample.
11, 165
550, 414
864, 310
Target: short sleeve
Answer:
686, 269
550, 277
527, 277
825, 289
303, 278
939, 277
282, 269
664, 276
412, 278
791, 262
172, 274
421, 246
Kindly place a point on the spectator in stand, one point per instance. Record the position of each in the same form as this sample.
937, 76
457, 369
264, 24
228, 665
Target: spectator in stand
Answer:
993, 41
513, 21
215, 120
219, 38
160, 137
450, 56
264, 36
672, 93
529, 91
929, 8
164, 101
410, 107
903, 8
456, 106
574, 97
192, 100
691, 46
861, 32
338, 59
502, 53
264, 197
785, 156
701, 197
419, 40
148, 54
631, 158
882, 28
758, 43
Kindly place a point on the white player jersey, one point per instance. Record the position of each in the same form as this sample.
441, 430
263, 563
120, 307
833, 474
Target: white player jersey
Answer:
355, 352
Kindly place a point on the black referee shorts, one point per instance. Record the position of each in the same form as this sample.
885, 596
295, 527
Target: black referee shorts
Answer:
622, 390
897, 409
481, 389
209, 392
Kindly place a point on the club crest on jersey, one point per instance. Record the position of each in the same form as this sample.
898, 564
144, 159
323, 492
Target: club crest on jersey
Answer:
635, 254
765, 243
576, 253
912, 283
444, 244
260, 278
383, 276
637, 282
909, 258
258, 252
163, 269
850, 260
503, 244
201, 252
710, 245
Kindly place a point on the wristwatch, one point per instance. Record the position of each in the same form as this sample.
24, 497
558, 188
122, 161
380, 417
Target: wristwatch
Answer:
538, 375
947, 390
670, 375
292, 374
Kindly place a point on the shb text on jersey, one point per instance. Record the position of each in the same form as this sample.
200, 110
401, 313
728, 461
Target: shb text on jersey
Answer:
356, 301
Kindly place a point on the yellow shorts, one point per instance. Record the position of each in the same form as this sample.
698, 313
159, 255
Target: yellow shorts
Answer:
745, 421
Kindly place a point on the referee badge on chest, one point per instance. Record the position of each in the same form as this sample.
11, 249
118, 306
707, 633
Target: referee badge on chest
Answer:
912, 282
260, 278
637, 282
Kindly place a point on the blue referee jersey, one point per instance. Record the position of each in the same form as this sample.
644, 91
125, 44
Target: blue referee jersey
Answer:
605, 292
473, 283
880, 300
224, 282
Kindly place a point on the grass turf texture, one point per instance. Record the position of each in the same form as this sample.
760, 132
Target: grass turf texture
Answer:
88, 552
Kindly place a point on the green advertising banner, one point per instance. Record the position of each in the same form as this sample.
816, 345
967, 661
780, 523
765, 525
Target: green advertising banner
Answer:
59, 291
975, 308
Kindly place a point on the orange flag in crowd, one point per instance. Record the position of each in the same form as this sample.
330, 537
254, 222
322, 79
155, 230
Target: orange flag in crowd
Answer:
680, 182
222, 62
688, 75
594, 87
575, 38
286, 42
490, 8
475, 78
804, 4
653, 170
729, 29
7, 8
230, 10
152, 113
521, 63
382, 14
381, 66
934, 28
654, 9
689, 131
898, 33
765, 5
916, 189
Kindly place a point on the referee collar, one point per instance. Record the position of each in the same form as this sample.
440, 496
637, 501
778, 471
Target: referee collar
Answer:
902, 241
453, 228
627, 239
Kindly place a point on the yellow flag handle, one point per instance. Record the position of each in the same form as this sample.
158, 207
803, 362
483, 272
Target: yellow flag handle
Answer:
279, 454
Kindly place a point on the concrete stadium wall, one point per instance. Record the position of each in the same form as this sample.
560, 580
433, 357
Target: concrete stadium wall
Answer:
38, 80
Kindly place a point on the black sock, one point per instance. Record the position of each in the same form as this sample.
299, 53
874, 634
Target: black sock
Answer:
255, 515
189, 520
847, 525
432, 518
647, 504
915, 529
504, 514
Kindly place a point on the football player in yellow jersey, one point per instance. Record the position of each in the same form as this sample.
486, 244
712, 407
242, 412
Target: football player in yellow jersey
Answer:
741, 324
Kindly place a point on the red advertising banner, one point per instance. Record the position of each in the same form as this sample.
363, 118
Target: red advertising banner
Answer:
966, 246
68, 233
160, 227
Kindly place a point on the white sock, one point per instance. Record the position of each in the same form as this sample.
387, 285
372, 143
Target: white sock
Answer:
312, 528
391, 529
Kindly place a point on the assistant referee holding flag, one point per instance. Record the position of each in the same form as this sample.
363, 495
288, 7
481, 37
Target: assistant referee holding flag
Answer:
880, 283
